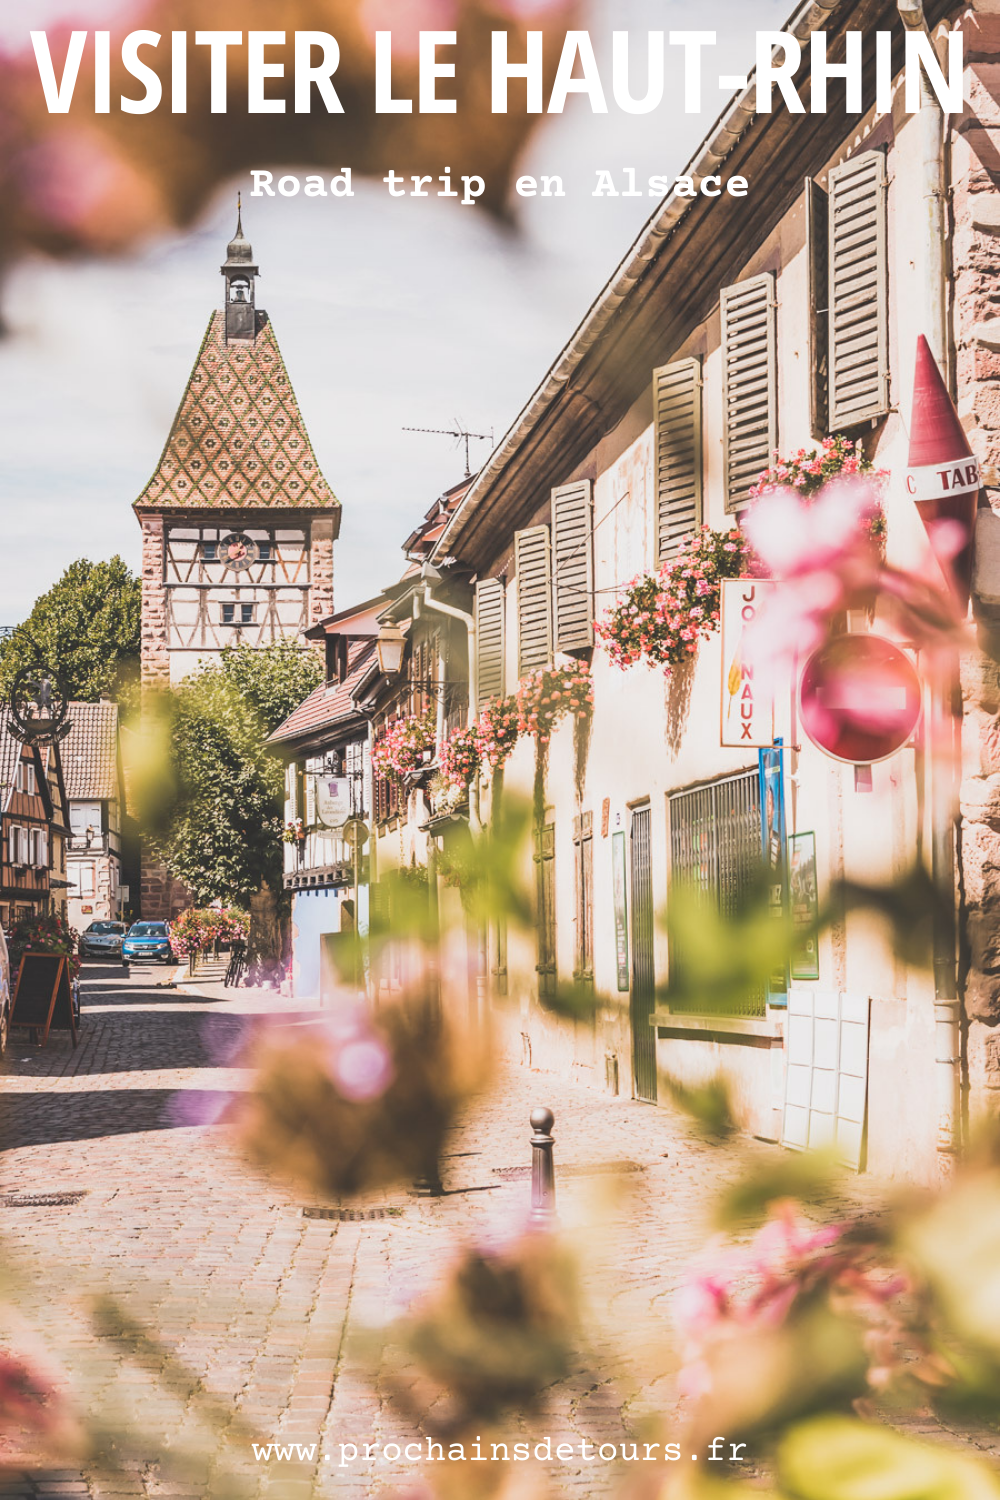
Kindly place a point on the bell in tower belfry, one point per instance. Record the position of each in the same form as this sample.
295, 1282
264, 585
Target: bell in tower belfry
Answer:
240, 273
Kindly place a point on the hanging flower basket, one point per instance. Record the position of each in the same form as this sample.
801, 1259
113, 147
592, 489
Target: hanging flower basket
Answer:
543, 698
807, 473
459, 756
498, 729
403, 745
662, 616
294, 833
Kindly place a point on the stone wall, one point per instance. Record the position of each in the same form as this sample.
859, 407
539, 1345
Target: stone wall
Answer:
975, 176
155, 655
321, 569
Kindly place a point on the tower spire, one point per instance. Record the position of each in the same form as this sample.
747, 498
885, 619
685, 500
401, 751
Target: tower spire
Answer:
241, 274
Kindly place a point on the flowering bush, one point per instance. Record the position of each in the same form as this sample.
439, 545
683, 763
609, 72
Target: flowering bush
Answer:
459, 756
402, 745
498, 729
543, 698
294, 833
194, 931
43, 932
837, 457
663, 616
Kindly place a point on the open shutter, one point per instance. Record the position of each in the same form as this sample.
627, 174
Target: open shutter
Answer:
858, 291
489, 639
534, 599
749, 383
677, 423
573, 565
817, 299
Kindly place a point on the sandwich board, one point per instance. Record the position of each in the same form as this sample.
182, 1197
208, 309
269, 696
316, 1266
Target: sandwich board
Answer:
43, 999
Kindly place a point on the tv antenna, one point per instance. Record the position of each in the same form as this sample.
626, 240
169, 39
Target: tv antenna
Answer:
460, 435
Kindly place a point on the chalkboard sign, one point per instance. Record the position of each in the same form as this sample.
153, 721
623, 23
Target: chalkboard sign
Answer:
43, 999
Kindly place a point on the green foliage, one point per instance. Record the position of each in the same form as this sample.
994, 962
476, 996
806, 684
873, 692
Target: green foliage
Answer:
839, 1458
210, 790
86, 628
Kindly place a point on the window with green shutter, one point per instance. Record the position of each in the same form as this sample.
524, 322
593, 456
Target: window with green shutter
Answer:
573, 565
858, 291
749, 383
489, 639
677, 426
534, 599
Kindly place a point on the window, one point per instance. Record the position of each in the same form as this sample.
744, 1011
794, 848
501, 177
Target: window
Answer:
534, 599
858, 291
238, 614
489, 639
17, 846
24, 780
716, 850
573, 566
265, 552
40, 848
209, 551
583, 846
818, 297
677, 426
749, 384
545, 913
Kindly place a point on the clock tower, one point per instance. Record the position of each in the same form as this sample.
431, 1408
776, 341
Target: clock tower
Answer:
238, 523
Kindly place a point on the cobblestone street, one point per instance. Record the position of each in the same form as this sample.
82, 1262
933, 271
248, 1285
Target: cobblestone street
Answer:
256, 1301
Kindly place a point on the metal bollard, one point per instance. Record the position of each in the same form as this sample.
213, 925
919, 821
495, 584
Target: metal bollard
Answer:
543, 1171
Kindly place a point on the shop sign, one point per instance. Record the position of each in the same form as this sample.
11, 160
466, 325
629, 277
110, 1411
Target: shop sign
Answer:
747, 702
332, 800
772, 817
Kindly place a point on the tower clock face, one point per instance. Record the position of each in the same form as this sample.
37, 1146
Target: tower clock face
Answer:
237, 551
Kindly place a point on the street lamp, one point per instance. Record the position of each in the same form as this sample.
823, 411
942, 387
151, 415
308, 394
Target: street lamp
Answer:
389, 646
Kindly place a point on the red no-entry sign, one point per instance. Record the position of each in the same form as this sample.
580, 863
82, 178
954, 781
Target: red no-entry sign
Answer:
859, 698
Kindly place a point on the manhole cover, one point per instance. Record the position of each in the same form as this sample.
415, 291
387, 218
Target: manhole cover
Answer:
42, 1200
351, 1215
577, 1169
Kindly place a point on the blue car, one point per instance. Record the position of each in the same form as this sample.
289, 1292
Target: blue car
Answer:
147, 942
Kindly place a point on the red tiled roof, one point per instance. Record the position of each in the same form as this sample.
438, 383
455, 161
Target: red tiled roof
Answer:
330, 702
90, 752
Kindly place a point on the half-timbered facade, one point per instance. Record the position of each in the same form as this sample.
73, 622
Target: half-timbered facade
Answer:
32, 829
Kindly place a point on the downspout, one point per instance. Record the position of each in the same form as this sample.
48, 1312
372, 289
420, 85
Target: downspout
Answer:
943, 665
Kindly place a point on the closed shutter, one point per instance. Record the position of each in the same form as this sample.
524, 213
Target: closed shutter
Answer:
817, 300
310, 814
489, 639
534, 599
573, 565
749, 383
858, 291
677, 423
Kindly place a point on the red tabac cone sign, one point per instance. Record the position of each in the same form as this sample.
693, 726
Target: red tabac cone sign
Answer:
943, 474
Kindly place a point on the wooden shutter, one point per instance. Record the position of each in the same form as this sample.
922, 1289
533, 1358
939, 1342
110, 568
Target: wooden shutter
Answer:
573, 565
817, 300
858, 291
677, 424
545, 849
749, 383
534, 599
489, 639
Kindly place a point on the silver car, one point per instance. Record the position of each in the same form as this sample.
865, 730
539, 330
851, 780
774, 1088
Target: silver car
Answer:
103, 940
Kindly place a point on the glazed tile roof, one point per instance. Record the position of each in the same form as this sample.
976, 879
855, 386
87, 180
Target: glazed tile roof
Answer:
90, 752
238, 438
330, 702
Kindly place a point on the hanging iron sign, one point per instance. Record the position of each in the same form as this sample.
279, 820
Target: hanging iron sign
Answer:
859, 698
333, 800
38, 706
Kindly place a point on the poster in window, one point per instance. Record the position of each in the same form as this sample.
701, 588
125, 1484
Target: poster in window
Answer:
772, 817
803, 896
621, 912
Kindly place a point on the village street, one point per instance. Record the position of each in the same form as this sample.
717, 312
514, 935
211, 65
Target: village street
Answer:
256, 1300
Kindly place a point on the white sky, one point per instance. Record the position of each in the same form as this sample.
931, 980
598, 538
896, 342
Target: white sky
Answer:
389, 313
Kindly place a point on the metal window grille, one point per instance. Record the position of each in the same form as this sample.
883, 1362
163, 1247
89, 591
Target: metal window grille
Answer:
716, 848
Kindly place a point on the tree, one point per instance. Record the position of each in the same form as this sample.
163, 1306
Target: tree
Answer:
211, 790
87, 629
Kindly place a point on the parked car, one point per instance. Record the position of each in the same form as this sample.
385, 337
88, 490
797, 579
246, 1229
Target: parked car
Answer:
5, 994
103, 940
147, 942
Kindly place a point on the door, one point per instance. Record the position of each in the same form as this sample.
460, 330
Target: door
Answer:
642, 996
